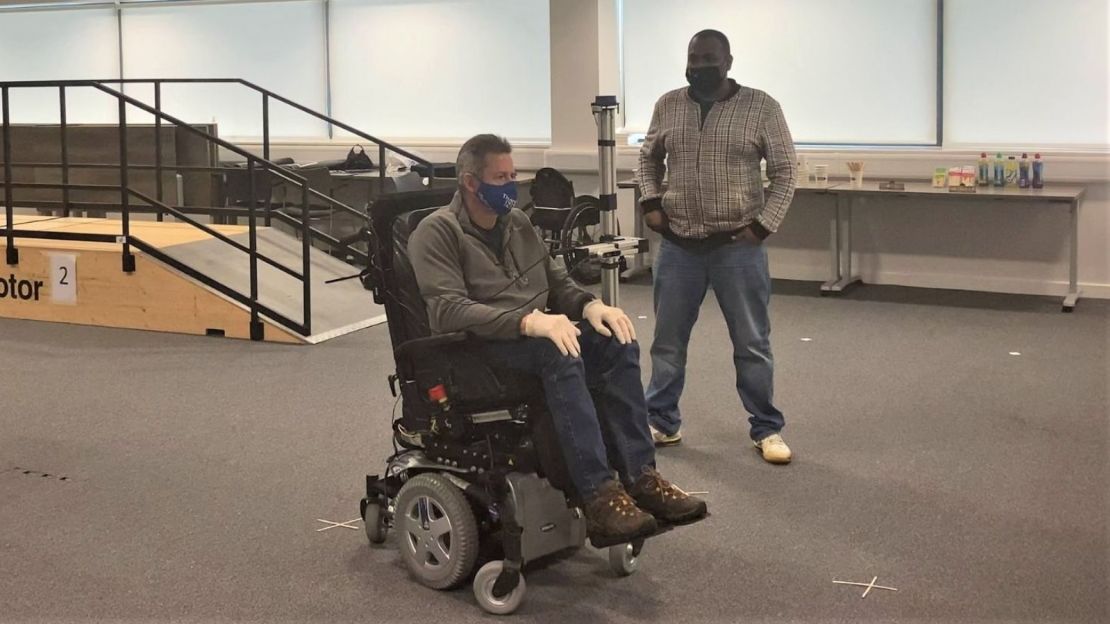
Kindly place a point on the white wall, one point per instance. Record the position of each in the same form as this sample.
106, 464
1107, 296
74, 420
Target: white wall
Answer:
442, 68
78, 45
1004, 86
277, 45
818, 59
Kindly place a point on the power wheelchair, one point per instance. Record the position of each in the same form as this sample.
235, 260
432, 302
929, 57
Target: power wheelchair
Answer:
477, 473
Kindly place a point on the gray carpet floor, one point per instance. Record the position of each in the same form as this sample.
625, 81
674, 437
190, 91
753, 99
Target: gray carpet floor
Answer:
160, 478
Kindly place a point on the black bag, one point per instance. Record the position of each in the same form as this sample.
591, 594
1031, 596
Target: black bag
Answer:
357, 161
552, 189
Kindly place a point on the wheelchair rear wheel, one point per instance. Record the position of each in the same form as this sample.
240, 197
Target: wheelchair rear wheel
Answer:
582, 228
437, 532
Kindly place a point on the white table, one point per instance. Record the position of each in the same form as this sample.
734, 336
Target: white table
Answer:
841, 228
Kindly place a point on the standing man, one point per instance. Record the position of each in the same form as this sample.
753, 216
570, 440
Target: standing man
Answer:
714, 216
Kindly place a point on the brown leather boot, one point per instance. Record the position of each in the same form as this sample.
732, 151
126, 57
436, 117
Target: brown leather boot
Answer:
667, 502
612, 517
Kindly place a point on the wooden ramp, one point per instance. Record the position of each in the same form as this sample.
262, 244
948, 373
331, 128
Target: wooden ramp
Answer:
83, 283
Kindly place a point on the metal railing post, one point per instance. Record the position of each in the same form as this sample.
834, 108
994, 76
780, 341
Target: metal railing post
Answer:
306, 247
266, 144
266, 126
9, 199
124, 186
65, 150
160, 192
256, 331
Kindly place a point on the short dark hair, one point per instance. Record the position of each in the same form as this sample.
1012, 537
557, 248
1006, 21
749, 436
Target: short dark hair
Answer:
472, 155
714, 34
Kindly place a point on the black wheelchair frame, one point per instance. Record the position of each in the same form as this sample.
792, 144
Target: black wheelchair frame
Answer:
475, 449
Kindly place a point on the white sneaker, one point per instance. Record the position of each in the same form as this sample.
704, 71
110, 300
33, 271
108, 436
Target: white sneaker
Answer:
774, 449
662, 439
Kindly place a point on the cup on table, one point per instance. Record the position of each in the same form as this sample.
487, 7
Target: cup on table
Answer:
855, 174
821, 174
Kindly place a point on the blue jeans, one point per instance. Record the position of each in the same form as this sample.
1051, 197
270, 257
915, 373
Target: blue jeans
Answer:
742, 283
596, 438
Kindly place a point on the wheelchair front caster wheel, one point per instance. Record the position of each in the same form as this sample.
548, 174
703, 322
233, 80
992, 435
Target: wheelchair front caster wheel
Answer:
484, 581
623, 560
374, 523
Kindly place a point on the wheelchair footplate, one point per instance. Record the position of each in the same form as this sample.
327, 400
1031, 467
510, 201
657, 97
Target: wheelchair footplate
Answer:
637, 541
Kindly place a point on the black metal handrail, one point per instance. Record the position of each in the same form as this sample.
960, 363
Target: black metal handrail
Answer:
335, 203
267, 95
165, 208
126, 192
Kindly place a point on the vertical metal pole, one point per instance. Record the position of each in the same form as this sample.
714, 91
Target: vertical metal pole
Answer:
847, 276
124, 188
381, 167
119, 39
256, 324
9, 199
65, 150
1073, 270
158, 146
306, 261
604, 109
1072, 297
836, 238
940, 73
327, 67
265, 127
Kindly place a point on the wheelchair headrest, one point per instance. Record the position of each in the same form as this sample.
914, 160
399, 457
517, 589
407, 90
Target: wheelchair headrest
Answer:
386, 208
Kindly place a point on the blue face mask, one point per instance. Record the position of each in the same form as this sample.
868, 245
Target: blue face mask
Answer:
500, 199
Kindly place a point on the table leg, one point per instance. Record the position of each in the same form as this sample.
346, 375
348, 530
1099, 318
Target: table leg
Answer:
845, 278
1073, 267
834, 247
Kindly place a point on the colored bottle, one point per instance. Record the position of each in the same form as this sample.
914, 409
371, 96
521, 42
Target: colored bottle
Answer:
1023, 171
1038, 171
999, 174
984, 170
1011, 170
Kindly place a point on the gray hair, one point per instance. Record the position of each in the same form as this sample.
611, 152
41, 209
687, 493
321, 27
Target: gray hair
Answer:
472, 156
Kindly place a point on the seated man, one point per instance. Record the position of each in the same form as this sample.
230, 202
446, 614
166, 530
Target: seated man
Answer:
483, 268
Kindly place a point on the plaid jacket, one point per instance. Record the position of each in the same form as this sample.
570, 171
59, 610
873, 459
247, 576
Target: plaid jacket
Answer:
713, 182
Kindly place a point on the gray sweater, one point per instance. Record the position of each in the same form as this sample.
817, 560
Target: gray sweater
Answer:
468, 288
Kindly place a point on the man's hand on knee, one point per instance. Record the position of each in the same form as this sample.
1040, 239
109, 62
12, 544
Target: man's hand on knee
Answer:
603, 317
555, 327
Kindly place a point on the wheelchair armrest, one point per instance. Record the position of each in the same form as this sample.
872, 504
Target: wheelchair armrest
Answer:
420, 346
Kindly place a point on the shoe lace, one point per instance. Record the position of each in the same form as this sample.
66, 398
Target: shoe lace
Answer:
619, 502
656, 483
623, 504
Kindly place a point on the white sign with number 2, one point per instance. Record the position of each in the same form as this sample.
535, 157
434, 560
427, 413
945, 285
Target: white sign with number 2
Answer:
63, 278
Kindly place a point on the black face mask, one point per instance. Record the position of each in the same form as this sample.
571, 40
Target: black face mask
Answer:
705, 80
